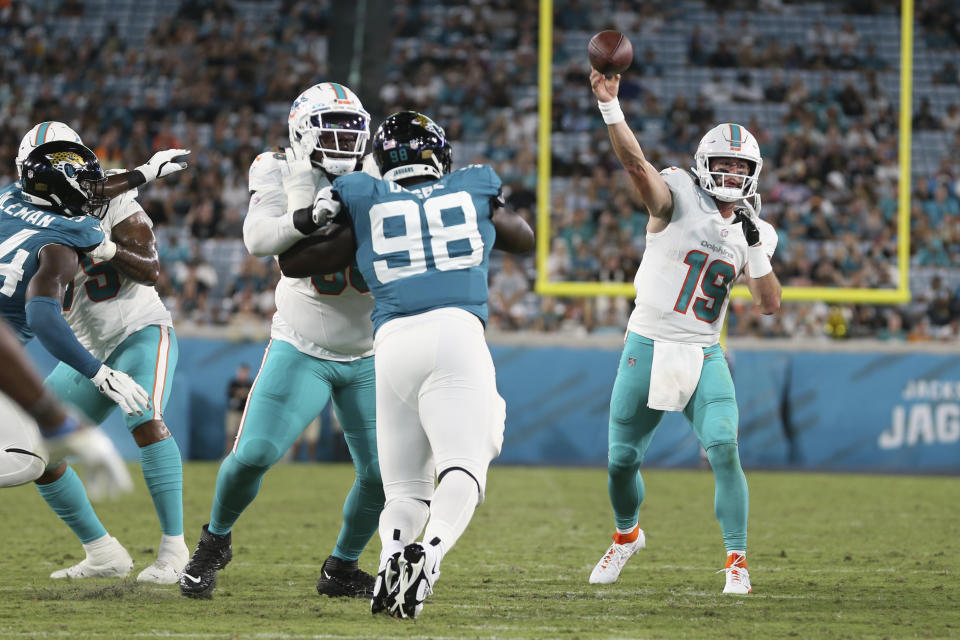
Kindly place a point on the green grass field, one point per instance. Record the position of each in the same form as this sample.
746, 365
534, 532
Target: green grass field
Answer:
831, 556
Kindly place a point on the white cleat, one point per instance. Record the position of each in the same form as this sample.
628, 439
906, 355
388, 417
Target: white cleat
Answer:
171, 559
738, 577
611, 564
106, 558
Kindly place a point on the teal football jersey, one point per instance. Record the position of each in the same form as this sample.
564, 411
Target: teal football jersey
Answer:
25, 229
424, 247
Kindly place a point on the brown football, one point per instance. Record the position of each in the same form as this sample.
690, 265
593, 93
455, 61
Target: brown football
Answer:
610, 52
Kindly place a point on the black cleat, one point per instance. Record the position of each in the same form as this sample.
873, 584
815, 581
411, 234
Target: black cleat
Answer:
340, 578
213, 553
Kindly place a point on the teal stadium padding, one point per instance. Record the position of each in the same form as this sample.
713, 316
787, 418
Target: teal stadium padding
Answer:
870, 411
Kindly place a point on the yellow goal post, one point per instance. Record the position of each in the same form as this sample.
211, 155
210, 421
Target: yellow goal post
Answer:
899, 295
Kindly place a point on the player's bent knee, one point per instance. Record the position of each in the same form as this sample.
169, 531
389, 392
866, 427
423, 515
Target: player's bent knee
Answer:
150, 432
623, 459
259, 453
724, 457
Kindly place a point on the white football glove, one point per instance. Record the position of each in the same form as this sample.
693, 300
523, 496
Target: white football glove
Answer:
325, 206
92, 447
162, 164
122, 389
105, 250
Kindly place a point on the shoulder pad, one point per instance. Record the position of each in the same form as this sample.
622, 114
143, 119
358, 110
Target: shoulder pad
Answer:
369, 166
265, 171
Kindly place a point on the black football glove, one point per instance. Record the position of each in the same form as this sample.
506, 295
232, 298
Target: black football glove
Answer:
750, 231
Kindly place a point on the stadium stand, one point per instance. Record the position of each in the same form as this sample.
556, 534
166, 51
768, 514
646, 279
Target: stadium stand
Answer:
817, 83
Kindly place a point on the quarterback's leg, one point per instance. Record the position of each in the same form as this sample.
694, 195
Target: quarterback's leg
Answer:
288, 392
629, 432
355, 403
150, 357
61, 488
713, 413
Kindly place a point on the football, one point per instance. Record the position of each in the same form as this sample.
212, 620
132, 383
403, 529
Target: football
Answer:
610, 52
23, 455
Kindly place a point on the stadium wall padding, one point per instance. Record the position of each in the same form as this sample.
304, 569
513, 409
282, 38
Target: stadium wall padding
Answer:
870, 411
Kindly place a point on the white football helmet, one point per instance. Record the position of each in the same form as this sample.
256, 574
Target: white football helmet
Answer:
41, 133
333, 113
728, 140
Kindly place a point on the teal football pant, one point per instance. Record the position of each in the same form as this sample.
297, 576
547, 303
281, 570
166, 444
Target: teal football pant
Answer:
290, 390
149, 356
713, 414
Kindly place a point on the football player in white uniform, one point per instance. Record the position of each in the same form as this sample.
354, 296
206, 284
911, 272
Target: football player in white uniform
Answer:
117, 315
321, 345
703, 233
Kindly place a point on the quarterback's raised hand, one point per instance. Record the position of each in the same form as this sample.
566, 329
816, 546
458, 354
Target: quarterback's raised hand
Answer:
604, 88
122, 389
162, 164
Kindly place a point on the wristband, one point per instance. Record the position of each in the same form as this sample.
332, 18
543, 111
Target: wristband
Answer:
611, 111
758, 262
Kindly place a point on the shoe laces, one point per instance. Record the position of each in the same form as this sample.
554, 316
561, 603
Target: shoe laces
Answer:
617, 553
736, 568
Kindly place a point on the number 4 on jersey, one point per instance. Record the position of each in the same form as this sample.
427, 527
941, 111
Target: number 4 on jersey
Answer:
12, 272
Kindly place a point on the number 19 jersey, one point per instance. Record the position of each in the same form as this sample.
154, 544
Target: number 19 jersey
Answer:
688, 268
424, 247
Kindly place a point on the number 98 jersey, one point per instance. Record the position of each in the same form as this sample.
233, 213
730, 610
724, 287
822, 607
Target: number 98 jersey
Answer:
684, 279
423, 247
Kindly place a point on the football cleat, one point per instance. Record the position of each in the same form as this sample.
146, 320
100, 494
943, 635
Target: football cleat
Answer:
387, 585
340, 578
213, 553
419, 566
611, 564
171, 559
738, 577
106, 558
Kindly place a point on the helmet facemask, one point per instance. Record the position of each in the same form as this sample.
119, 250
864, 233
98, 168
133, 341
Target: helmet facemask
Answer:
329, 118
728, 141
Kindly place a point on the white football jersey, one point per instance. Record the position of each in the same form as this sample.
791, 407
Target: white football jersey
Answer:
325, 317
107, 306
684, 279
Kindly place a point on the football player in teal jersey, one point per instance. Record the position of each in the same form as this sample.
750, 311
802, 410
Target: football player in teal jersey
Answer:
47, 220
422, 238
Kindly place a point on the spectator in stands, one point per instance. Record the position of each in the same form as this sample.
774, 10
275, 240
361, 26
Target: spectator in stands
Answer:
722, 56
924, 120
237, 391
950, 122
947, 74
776, 91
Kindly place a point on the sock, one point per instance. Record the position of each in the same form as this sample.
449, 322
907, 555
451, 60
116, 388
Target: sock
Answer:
163, 472
401, 522
623, 537
451, 509
68, 499
361, 515
237, 486
731, 498
171, 546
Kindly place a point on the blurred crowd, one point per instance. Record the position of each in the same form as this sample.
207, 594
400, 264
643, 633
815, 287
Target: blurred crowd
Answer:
216, 77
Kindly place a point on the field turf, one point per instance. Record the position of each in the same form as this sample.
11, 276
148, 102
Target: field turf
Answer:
831, 556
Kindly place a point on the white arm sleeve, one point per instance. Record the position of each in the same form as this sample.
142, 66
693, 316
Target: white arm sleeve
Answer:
268, 229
